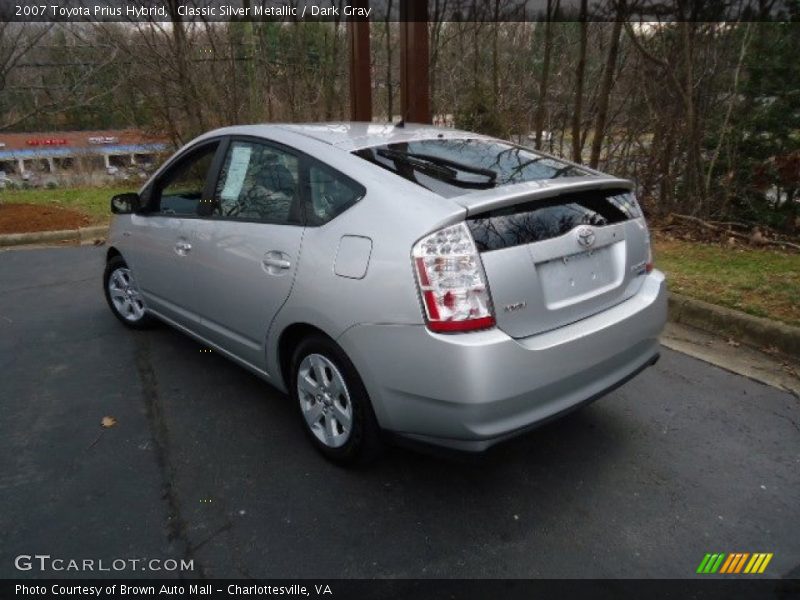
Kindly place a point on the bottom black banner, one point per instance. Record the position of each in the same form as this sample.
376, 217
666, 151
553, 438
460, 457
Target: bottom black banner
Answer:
416, 589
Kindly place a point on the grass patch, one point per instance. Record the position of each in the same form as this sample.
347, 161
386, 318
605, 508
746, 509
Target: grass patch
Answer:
93, 202
765, 283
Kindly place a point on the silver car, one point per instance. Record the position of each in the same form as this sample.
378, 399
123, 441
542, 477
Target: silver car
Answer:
437, 285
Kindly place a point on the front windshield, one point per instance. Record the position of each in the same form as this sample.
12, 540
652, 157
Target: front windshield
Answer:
452, 167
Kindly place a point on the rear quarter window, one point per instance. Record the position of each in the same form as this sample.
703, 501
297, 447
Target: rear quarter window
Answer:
330, 194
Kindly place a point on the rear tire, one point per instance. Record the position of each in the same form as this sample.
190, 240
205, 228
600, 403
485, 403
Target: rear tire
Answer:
333, 403
123, 295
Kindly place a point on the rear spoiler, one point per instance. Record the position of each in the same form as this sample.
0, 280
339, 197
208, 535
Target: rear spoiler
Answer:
499, 197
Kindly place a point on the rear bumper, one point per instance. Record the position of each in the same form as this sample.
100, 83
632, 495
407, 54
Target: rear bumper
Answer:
473, 390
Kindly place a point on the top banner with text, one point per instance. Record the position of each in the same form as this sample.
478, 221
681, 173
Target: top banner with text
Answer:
382, 10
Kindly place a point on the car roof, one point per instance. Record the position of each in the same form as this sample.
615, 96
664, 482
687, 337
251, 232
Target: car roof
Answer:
350, 136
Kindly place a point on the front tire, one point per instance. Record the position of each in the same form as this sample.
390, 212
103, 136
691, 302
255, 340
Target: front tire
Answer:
123, 295
334, 406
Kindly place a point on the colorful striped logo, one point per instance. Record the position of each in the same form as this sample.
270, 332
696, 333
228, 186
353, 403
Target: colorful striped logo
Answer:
737, 562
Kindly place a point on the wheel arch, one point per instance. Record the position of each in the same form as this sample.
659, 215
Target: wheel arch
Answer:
112, 252
288, 340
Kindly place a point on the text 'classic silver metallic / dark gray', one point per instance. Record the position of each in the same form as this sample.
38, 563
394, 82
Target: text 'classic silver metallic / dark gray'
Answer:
437, 285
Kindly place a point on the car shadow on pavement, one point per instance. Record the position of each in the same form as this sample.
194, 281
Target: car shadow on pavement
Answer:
242, 469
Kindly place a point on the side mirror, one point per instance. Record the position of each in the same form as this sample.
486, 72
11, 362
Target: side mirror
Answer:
125, 204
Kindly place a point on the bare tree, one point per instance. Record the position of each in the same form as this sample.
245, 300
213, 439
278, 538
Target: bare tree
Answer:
552, 8
577, 146
40, 76
604, 94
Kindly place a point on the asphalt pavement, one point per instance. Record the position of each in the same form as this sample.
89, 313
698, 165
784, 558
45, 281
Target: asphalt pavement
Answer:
208, 463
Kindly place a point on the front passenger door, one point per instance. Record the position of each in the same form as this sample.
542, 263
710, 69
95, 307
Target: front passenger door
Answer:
164, 235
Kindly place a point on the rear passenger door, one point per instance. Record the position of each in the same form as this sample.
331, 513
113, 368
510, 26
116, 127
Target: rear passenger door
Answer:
248, 245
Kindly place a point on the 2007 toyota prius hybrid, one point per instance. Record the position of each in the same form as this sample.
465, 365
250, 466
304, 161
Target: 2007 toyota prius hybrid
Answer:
438, 285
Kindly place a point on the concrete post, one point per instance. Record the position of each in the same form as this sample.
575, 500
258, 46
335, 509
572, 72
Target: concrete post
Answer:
414, 62
360, 76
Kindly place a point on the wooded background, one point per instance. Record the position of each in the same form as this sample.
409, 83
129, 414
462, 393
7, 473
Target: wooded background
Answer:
703, 116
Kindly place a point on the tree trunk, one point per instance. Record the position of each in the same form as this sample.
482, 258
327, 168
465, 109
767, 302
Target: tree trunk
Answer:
475, 60
734, 94
694, 191
579, 74
188, 96
604, 95
248, 57
389, 86
495, 60
331, 65
548, 43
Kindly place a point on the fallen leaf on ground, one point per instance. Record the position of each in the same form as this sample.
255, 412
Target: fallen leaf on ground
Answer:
733, 343
791, 370
108, 422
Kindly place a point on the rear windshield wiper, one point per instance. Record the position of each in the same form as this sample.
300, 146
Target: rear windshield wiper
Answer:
563, 171
446, 162
422, 165
443, 168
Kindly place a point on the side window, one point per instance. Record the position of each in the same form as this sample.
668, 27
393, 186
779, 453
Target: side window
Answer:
258, 182
331, 194
180, 189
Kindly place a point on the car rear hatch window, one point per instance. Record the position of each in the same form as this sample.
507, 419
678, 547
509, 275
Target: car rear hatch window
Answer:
538, 220
553, 261
455, 166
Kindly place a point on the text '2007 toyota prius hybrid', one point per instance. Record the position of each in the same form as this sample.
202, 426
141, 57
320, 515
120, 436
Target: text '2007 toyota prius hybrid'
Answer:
439, 285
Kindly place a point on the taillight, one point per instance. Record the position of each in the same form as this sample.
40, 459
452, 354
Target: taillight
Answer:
452, 282
648, 267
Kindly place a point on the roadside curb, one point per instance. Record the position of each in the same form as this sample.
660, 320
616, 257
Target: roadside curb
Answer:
754, 331
39, 237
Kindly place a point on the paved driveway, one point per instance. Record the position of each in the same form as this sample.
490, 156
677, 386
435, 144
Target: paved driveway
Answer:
209, 463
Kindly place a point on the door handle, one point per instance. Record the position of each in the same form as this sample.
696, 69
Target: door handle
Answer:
278, 263
182, 248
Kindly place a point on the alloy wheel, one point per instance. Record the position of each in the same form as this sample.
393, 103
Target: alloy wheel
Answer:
324, 400
125, 295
